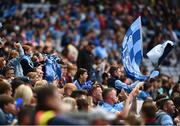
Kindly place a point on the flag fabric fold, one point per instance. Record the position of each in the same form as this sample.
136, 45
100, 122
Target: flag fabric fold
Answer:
159, 52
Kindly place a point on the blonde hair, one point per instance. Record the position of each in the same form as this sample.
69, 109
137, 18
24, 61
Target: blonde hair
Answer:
70, 85
40, 83
24, 92
32, 75
71, 102
14, 53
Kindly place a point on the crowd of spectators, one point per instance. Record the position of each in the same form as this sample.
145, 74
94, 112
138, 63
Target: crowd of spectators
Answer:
61, 63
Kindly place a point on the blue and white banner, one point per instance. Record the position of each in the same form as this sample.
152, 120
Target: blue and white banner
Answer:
132, 52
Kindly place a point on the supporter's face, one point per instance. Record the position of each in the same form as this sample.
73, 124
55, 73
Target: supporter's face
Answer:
34, 58
10, 108
2, 62
119, 72
112, 96
68, 91
73, 72
29, 52
9, 74
35, 78
40, 74
98, 93
41, 58
84, 76
170, 107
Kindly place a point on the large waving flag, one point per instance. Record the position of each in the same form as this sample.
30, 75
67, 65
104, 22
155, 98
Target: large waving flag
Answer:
132, 52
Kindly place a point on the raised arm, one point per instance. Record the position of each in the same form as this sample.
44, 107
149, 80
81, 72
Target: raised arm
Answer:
128, 88
20, 49
128, 102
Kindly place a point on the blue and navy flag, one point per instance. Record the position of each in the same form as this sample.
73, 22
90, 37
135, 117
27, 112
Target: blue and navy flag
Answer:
132, 52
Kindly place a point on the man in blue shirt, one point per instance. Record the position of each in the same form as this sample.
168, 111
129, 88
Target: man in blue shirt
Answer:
165, 112
110, 103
